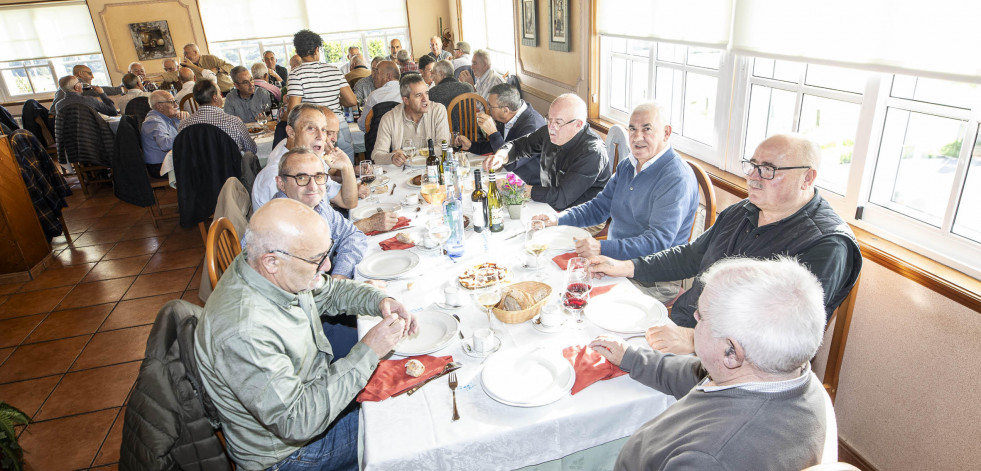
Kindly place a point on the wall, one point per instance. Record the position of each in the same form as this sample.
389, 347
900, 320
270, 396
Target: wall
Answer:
545, 73
424, 16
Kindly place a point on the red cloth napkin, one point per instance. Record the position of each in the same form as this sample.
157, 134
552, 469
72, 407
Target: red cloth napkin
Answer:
402, 222
590, 366
598, 290
563, 260
390, 377
392, 243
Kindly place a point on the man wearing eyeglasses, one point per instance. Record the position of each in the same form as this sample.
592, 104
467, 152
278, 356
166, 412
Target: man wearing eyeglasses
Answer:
784, 215
574, 167
246, 101
285, 396
159, 130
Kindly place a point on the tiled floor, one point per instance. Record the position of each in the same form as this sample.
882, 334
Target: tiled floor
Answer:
72, 339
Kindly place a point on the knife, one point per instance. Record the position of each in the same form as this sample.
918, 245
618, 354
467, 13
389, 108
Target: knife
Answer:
516, 235
450, 367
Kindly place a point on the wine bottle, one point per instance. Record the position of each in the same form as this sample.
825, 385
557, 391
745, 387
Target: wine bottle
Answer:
479, 199
442, 162
433, 166
495, 208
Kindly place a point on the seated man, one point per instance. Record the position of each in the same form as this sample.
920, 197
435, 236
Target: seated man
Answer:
386, 82
260, 76
405, 62
277, 73
749, 399
393, 48
246, 101
447, 88
71, 89
426, 69
509, 118
352, 52
84, 75
169, 77
364, 86
436, 50
137, 69
134, 88
198, 62
652, 198
461, 55
282, 395
186, 77
359, 70
574, 167
484, 76
159, 130
416, 118
295, 62
209, 100
784, 215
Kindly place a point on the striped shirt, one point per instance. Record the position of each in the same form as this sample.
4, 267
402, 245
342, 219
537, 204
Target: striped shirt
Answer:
318, 83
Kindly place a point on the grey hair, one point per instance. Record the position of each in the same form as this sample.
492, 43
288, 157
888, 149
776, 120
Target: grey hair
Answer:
257, 244
578, 106
656, 108
773, 308
375, 60
444, 68
237, 70
131, 81
406, 83
131, 64
259, 70
165, 61
483, 55
403, 55
268, 52
284, 161
506, 96
68, 82
297, 111
158, 97
463, 46
195, 46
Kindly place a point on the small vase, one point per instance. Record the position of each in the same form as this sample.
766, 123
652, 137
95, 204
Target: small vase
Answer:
514, 210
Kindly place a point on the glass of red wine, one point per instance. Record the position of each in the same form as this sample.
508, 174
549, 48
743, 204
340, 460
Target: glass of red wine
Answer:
367, 172
577, 286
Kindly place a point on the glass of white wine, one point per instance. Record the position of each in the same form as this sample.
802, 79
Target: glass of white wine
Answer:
440, 232
409, 149
535, 246
488, 292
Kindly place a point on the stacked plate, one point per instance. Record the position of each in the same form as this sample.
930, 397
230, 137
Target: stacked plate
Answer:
626, 315
436, 330
388, 265
562, 237
527, 377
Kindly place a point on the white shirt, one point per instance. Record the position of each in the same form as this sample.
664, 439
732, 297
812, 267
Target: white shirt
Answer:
388, 92
634, 160
264, 187
462, 61
186, 89
487, 81
508, 125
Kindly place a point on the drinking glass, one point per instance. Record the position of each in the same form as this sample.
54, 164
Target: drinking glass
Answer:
367, 177
578, 283
535, 244
488, 292
440, 232
409, 149
456, 147
432, 191
261, 119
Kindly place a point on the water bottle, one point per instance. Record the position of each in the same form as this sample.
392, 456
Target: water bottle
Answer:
347, 115
452, 181
453, 215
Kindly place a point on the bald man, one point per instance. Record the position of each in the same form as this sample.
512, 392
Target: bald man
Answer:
263, 356
198, 62
386, 82
186, 77
393, 48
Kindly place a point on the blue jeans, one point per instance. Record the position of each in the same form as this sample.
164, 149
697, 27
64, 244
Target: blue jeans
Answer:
336, 449
344, 140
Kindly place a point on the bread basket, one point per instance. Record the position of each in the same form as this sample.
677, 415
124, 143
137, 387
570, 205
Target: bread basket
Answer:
517, 317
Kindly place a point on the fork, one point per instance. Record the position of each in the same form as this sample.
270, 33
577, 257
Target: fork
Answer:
453, 384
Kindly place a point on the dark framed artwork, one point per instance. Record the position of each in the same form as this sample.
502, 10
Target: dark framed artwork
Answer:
559, 37
529, 23
152, 40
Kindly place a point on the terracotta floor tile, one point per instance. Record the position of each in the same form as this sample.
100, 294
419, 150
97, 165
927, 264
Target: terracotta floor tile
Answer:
174, 281
14, 331
165, 228
92, 253
96, 292
135, 312
96, 237
191, 296
4, 353
196, 280
86, 213
60, 276
90, 390
117, 268
33, 302
78, 225
8, 288
42, 359
119, 222
109, 453
114, 346
65, 444
130, 248
182, 240
126, 209
163, 261
28, 395
61, 324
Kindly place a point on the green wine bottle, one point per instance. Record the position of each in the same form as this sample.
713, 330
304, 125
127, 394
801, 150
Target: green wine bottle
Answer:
479, 199
495, 207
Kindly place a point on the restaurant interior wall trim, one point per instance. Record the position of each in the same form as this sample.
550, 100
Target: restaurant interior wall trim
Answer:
546, 74
424, 16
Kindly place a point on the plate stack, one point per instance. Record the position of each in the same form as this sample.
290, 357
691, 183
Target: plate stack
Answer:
527, 377
388, 265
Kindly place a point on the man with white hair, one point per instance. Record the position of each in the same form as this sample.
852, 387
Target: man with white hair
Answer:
784, 215
277, 73
405, 62
436, 49
364, 86
170, 78
186, 77
484, 76
359, 70
198, 62
461, 55
159, 130
574, 166
260, 76
134, 88
351, 53
446, 87
137, 69
748, 400
71, 89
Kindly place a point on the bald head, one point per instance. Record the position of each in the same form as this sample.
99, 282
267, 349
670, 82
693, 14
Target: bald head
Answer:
572, 103
185, 75
386, 72
295, 62
284, 243
798, 149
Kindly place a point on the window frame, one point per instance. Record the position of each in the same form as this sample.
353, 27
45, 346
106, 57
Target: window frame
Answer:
5, 90
363, 36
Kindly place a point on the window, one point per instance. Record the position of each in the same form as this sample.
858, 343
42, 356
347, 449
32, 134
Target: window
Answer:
489, 25
248, 52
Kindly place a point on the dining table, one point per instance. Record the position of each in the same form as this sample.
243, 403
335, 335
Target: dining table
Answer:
564, 431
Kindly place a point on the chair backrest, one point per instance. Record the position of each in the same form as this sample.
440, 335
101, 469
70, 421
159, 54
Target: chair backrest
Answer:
616, 140
515, 82
45, 132
458, 70
842, 318
708, 194
371, 124
222, 247
367, 120
188, 104
463, 114
204, 157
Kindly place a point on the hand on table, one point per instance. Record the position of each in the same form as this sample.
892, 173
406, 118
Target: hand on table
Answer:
389, 306
494, 162
363, 191
383, 337
548, 220
462, 142
670, 338
587, 247
486, 123
612, 348
383, 221
601, 266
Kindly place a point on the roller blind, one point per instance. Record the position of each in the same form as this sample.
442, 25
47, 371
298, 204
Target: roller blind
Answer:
696, 22
37, 31
256, 19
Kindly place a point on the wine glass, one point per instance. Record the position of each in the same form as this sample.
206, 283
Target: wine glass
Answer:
488, 291
440, 232
367, 177
535, 244
261, 119
456, 147
432, 191
409, 149
578, 283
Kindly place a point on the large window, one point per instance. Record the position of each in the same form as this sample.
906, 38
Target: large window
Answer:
489, 25
247, 52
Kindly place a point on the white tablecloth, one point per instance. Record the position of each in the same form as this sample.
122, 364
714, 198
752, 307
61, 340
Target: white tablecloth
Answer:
416, 432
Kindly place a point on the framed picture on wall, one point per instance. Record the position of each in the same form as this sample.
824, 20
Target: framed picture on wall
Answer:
152, 40
529, 23
558, 25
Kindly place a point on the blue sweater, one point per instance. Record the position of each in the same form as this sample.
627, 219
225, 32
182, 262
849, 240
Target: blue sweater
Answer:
651, 212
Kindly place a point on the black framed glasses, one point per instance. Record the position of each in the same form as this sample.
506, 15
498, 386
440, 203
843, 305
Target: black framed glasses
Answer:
303, 179
766, 171
549, 122
318, 263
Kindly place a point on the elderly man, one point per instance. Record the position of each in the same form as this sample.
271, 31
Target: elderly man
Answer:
295, 62
784, 215
484, 77
282, 395
393, 48
137, 69
386, 81
351, 53
436, 49
170, 78
246, 101
416, 118
134, 88
170, 65
186, 77
363, 87
159, 130
71, 89
461, 55
447, 88
574, 166
749, 399
84, 75
198, 62
651, 199
277, 73
320, 84
405, 62
260, 74
210, 111
359, 70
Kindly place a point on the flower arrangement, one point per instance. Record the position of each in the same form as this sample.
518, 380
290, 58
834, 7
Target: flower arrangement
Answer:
513, 190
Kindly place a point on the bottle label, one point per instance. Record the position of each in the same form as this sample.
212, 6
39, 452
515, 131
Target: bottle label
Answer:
497, 216
478, 215
432, 172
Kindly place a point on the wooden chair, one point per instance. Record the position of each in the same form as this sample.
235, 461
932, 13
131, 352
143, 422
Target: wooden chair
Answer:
189, 100
708, 194
465, 107
52, 148
90, 175
221, 248
367, 120
842, 318
157, 184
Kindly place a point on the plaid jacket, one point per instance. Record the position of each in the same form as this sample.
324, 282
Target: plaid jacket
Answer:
46, 186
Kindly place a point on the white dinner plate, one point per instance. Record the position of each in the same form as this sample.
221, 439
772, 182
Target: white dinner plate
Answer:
528, 377
362, 212
626, 315
417, 161
388, 264
561, 237
408, 181
382, 180
436, 330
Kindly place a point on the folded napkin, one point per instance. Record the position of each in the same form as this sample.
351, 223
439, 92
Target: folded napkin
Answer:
390, 377
598, 290
392, 243
590, 366
563, 260
402, 222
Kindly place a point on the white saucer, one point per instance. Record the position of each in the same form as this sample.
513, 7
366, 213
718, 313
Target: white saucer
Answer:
468, 347
548, 330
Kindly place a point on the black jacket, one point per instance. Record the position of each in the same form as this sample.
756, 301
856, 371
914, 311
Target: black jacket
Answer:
82, 135
138, 108
371, 136
528, 122
130, 181
102, 103
204, 157
32, 109
8, 120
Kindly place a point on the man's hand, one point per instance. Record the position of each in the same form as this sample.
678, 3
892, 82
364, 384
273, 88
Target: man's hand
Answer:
389, 306
467, 77
601, 265
548, 220
274, 75
363, 191
399, 158
462, 142
97, 89
183, 115
494, 162
383, 221
486, 123
337, 160
669, 338
612, 348
527, 191
587, 247
383, 337
380, 284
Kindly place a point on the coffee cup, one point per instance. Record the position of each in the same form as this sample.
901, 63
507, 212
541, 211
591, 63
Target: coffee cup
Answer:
551, 316
451, 295
483, 340
412, 199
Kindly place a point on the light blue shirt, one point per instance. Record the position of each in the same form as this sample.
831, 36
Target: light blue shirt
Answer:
349, 242
157, 134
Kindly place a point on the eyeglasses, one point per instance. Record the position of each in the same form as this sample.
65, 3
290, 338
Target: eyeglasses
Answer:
303, 179
557, 123
245, 82
170, 102
766, 172
318, 263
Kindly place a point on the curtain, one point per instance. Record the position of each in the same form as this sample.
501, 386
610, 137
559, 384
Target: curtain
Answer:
695, 22
37, 31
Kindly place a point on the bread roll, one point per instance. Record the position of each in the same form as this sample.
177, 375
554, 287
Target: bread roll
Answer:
404, 237
515, 299
414, 368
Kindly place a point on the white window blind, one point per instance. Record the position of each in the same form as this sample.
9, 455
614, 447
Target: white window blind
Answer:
694, 22
40, 31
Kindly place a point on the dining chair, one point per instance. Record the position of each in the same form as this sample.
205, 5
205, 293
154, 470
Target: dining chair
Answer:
51, 149
462, 114
842, 319
222, 247
705, 214
86, 142
188, 100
